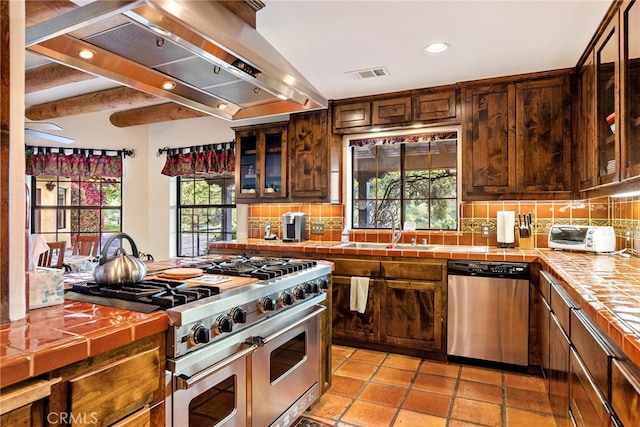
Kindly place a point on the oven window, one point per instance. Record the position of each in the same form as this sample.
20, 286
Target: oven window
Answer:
288, 355
214, 405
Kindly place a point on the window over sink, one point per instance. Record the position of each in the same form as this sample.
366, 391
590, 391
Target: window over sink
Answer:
404, 179
206, 211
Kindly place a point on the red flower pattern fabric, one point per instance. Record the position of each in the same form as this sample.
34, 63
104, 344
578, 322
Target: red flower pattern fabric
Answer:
218, 158
44, 161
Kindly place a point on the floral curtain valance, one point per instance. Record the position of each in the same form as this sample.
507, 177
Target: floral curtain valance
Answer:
401, 139
74, 162
212, 158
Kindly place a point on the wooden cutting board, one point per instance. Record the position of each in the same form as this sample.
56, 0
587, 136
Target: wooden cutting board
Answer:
180, 273
230, 282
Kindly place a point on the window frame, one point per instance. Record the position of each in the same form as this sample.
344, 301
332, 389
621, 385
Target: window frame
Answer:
227, 215
348, 164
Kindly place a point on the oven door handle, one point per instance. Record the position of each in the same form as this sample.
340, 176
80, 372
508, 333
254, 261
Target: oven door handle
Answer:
264, 340
184, 382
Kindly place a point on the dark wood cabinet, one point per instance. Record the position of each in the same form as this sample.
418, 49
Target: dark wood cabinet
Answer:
413, 314
559, 345
350, 324
584, 128
309, 151
391, 111
630, 89
543, 135
261, 162
488, 154
401, 109
518, 139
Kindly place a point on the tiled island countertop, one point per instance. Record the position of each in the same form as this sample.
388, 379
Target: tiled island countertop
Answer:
53, 337
607, 287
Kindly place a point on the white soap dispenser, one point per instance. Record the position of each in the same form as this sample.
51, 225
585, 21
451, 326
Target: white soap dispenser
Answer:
344, 237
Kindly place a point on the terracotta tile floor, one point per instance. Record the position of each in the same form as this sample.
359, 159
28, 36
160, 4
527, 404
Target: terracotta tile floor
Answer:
374, 389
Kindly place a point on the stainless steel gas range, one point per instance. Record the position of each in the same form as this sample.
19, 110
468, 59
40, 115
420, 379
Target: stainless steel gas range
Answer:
248, 356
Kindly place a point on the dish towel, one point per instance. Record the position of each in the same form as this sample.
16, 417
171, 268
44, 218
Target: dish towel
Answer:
359, 293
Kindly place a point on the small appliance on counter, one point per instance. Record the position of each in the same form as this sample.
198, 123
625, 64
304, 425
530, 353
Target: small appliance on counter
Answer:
586, 238
293, 227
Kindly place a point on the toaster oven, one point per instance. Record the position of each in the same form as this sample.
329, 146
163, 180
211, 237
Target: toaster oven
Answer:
586, 238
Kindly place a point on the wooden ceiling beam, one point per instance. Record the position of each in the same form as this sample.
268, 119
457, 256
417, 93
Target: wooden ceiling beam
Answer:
52, 75
153, 114
110, 99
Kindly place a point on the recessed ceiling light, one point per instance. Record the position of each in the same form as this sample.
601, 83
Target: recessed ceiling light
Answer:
86, 53
168, 85
436, 47
281, 96
222, 106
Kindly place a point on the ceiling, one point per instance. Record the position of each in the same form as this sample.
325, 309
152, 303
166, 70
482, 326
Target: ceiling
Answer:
325, 40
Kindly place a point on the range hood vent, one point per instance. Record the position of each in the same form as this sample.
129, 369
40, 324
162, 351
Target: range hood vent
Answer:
195, 53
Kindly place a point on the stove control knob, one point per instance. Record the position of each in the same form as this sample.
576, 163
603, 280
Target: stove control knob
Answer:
299, 293
266, 304
223, 324
324, 284
239, 315
312, 287
199, 334
285, 299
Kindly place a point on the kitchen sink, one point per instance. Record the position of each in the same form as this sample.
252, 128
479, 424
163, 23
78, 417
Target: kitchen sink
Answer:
409, 246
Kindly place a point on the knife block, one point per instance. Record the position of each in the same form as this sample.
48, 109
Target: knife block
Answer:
526, 243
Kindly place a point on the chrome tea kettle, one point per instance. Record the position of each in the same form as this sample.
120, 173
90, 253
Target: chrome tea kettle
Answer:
120, 268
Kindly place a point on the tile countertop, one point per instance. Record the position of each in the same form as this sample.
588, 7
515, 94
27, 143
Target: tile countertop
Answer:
607, 287
52, 337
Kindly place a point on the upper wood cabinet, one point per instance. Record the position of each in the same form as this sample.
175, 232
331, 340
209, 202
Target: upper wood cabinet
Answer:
440, 104
608, 105
309, 156
518, 139
261, 162
488, 153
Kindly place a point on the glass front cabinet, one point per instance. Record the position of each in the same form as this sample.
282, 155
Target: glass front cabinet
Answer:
630, 93
261, 153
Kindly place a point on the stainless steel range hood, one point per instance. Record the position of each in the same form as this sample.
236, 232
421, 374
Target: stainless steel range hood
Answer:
213, 57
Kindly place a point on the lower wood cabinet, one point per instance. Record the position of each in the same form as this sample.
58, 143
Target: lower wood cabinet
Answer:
23, 404
559, 372
122, 387
413, 314
406, 306
351, 324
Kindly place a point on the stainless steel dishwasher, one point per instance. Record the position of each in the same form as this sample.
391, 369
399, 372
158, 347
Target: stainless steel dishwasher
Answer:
488, 311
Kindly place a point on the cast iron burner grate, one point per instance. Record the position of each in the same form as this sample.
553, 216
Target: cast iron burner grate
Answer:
162, 293
258, 267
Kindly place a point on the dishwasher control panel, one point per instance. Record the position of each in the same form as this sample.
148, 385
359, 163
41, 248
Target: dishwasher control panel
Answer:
488, 269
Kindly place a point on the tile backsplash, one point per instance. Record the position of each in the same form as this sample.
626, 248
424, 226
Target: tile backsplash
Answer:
623, 214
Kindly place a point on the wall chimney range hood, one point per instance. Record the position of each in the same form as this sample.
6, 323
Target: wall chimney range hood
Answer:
193, 52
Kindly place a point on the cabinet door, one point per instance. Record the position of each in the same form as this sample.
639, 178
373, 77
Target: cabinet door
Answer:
308, 151
607, 114
352, 115
261, 163
413, 314
630, 89
543, 135
559, 372
544, 316
435, 106
391, 111
351, 324
489, 149
585, 162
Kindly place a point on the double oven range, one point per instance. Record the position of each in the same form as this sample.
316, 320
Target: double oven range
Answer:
248, 356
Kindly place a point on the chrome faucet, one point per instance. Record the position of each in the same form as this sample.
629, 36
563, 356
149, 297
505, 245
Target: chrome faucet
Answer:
395, 236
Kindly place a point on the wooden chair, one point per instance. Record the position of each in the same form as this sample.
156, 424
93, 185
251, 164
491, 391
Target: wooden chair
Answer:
46, 258
86, 245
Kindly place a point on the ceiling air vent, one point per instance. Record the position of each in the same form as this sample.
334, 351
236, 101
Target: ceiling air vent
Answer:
368, 73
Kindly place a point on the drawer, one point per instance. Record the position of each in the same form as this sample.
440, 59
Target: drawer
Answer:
587, 404
142, 418
429, 271
356, 267
545, 285
561, 305
118, 389
592, 349
625, 392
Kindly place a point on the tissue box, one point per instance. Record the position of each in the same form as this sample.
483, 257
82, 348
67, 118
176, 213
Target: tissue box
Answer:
46, 287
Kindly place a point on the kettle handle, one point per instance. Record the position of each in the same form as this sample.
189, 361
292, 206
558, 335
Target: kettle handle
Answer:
105, 249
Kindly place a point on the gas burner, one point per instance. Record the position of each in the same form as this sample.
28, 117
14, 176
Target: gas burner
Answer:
165, 294
258, 267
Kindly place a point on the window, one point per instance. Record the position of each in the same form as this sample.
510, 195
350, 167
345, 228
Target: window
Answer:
206, 211
412, 177
64, 207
